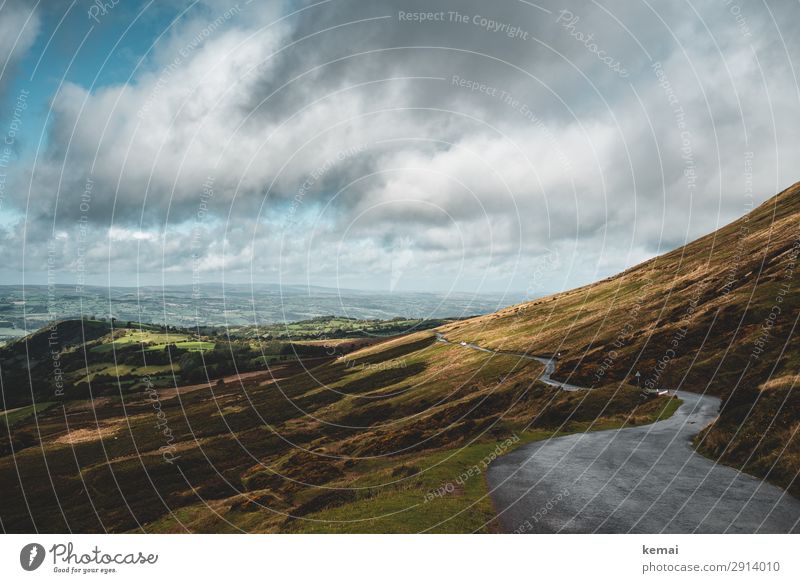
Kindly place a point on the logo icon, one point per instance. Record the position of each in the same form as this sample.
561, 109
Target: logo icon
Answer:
31, 556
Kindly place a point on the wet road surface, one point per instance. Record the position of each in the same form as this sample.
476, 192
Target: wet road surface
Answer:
644, 479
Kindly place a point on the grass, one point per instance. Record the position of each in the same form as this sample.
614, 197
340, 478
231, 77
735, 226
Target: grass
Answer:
16, 416
119, 370
422, 501
411, 504
329, 328
385, 419
190, 345
124, 337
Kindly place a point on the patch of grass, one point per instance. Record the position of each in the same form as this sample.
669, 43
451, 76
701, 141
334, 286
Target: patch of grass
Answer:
119, 370
124, 337
11, 418
191, 345
409, 504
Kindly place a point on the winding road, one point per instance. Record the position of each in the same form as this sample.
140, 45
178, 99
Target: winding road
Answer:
645, 479
549, 363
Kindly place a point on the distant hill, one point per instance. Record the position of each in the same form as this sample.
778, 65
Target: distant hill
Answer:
31, 307
33, 367
718, 315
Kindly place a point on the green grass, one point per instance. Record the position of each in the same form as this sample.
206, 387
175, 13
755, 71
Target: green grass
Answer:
126, 337
125, 369
191, 345
328, 328
669, 410
16, 416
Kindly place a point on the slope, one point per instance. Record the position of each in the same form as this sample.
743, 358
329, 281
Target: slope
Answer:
718, 315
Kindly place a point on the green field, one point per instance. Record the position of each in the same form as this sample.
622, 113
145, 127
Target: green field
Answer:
153, 340
330, 328
16, 416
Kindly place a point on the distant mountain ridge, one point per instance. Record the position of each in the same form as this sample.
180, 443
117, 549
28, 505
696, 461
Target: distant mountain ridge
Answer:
231, 304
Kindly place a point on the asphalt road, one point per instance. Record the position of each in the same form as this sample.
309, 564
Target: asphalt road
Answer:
641, 479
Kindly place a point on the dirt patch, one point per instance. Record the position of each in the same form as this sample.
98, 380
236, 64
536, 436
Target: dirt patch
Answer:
104, 431
783, 382
89, 404
172, 392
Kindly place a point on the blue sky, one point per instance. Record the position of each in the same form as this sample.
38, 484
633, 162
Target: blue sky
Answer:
73, 47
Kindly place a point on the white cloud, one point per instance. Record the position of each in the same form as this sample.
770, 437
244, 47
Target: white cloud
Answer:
365, 158
19, 25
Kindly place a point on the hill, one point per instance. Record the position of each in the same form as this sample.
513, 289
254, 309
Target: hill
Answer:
718, 315
380, 435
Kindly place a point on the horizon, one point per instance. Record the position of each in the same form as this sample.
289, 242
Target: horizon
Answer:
40, 279
257, 284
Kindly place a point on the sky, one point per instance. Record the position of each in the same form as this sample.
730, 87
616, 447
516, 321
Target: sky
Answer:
393, 145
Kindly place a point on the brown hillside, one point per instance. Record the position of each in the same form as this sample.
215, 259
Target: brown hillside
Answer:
717, 315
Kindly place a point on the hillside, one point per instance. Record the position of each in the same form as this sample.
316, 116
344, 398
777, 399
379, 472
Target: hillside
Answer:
717, 315
373, 435
78, 359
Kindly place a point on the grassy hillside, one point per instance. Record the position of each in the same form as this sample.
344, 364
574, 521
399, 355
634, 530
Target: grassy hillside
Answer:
78, 359
363, 434
717, 316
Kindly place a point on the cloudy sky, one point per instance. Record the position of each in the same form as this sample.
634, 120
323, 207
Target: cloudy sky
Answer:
386, 145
